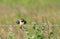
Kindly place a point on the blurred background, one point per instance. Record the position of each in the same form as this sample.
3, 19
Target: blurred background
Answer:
36, 13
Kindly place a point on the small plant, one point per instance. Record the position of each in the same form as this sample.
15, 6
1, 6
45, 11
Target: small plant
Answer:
11, 35
35, 33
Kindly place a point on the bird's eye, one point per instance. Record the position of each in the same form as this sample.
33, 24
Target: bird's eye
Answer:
22, 21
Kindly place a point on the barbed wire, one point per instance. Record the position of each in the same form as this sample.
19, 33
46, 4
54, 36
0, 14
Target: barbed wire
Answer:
31, 25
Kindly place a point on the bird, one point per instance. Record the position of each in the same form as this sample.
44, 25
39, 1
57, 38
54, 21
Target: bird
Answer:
21, 22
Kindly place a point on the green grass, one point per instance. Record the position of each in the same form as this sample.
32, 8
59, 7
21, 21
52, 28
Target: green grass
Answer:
35, 12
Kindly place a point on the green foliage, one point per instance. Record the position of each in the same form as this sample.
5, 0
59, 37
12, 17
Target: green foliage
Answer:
37, 32
11, 35
43, 7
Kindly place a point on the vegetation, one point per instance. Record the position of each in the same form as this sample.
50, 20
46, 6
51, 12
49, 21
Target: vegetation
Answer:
42, 16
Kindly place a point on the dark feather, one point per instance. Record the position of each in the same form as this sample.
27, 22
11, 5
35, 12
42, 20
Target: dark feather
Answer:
18, 22
22, 20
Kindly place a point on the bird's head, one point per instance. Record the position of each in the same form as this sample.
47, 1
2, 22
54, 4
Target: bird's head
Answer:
21, 21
